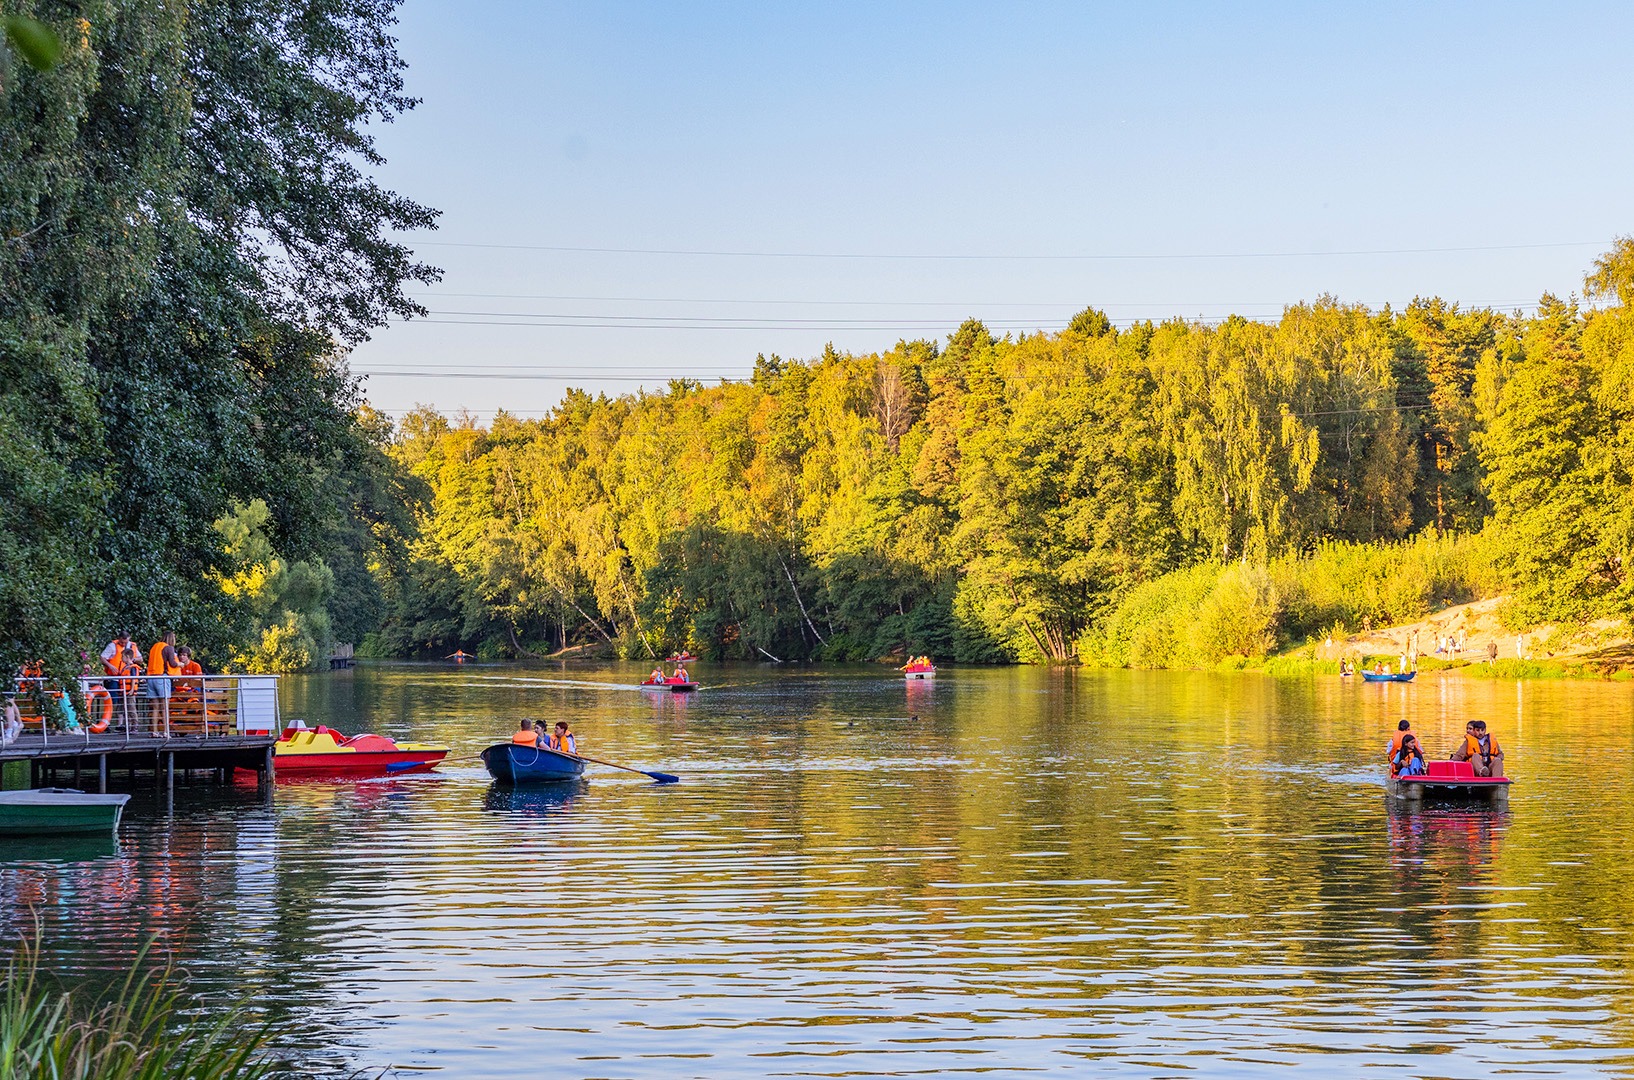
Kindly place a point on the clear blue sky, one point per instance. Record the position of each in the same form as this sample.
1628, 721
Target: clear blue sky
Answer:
946, 129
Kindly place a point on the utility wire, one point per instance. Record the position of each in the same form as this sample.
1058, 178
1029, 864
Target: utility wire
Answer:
927, 256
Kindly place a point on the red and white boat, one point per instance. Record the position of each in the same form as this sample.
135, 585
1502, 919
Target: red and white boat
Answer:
671, 684
912, 672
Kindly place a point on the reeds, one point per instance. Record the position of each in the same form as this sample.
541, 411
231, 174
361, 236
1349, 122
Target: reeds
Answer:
145, 1031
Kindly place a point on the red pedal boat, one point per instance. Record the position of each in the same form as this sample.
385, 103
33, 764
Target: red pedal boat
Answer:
321, 751
1450, 778
672, 684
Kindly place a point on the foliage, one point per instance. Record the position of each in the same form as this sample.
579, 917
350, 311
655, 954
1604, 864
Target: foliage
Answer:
145, 1031
286, 604
187, 241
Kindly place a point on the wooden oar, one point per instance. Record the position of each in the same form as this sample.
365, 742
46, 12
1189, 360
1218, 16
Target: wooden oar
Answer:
661, 777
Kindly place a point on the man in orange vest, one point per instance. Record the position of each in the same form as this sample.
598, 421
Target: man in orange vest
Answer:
163, 665
525, 735
1481, 750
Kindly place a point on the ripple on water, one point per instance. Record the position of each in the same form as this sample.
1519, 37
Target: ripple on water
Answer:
1130, 875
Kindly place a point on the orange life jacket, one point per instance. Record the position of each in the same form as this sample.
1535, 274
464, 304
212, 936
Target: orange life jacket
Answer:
1395, 744
156, 661
566, 744
526, 738
116, 666
1472, 746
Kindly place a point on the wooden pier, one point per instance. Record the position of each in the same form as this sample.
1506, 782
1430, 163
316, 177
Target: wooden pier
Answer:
210, 723
80, 763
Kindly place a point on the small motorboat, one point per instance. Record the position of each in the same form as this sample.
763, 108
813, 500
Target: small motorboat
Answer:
1385, 676
320, 751
1450, 779
671, 684
919, 671
59, 811
513, 763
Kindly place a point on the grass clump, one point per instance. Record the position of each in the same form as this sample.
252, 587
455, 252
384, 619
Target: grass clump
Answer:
1205, 615
144, 1032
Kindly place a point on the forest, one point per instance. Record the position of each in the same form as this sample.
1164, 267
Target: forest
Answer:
191, 241
1029, 498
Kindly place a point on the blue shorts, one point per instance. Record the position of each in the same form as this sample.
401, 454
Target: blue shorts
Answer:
159, 686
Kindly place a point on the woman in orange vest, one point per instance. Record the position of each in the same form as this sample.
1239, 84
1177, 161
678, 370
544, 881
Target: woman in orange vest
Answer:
525, 735
162, 667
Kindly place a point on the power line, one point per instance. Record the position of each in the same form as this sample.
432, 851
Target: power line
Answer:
959, 304
928, 256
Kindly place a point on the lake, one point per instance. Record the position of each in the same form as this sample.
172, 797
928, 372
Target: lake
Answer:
1009, 872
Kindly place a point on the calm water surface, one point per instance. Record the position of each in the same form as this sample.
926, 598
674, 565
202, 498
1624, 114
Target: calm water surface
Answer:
1009, 872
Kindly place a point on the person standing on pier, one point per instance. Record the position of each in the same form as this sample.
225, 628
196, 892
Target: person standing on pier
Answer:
163, 665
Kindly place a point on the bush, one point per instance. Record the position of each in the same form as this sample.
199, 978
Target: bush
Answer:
1200, 615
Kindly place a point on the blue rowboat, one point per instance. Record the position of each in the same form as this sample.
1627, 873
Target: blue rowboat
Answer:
1400, 676
510, 763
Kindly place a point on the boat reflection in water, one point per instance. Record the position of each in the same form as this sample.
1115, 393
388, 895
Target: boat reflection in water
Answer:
542, 801
57, 849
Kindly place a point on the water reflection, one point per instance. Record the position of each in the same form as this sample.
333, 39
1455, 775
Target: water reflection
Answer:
1002, 871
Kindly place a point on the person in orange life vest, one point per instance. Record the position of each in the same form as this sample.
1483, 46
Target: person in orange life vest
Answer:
114, 652
681, 674
190, 688
1481, 750
1408, 759
113, 660
562, 739
163, 666
657, 675
525, 735
1396, 744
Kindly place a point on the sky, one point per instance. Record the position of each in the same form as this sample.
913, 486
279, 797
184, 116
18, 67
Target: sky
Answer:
637, 192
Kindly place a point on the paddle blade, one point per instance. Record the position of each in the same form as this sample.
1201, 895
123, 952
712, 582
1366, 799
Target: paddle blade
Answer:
664, 778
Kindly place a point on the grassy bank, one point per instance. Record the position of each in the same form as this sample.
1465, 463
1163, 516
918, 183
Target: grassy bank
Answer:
1205, 615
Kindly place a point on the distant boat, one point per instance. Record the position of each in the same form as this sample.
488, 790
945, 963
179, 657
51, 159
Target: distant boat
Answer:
674, 686
919, 671
1400, 676
513, 763
681, 658
59, 811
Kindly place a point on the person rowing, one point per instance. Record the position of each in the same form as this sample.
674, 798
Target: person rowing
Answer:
459, 656
525, 735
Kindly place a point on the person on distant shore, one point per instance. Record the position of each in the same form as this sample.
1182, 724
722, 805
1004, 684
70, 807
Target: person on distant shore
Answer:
562, 739
1409, 759
525, 735
1481, 750
1492, 651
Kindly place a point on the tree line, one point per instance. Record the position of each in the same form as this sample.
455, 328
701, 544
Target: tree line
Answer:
997, 499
